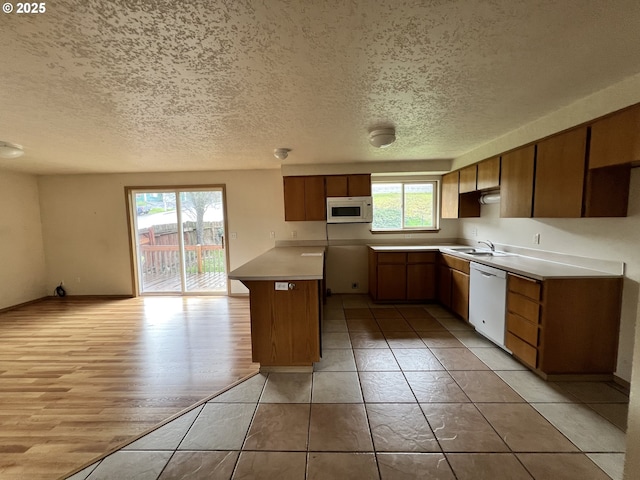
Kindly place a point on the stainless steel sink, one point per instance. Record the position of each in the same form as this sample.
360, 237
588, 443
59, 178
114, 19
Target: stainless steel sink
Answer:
462, 249
478, 252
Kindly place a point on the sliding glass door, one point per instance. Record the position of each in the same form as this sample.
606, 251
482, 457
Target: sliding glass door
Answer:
179, 243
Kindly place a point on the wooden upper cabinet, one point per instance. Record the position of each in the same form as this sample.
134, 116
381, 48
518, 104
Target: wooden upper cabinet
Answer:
489, 174
314, 198
304, 199
468, 179
337, 185
615, 140
560, 173
359, 185
455, 204
450, 195
294, 205
516, 182
348, 185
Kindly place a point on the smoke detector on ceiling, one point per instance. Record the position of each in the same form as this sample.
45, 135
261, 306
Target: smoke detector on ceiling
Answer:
9, 150
382, 137
281, 153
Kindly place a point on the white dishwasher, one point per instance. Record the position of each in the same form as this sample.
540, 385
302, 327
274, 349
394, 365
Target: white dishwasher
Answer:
487, 301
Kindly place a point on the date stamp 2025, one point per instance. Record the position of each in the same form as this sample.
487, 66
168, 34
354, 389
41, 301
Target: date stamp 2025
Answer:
25, 8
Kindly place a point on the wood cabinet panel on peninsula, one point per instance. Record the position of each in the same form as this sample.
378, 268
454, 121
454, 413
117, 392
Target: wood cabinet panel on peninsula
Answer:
287, 333
563, 326
402, 275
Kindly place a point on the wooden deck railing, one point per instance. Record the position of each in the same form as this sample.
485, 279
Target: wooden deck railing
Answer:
165, 259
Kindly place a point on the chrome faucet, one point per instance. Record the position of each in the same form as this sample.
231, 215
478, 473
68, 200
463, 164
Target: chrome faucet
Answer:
489, 244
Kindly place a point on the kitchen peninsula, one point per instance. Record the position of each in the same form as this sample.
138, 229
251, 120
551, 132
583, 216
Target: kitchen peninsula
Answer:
286, 287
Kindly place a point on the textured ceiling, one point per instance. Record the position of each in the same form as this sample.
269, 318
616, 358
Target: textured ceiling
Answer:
133, 86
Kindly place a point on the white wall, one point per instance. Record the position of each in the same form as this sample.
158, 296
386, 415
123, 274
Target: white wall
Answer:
21, 247
85, 228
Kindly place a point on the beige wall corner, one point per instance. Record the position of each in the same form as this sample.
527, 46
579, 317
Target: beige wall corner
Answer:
22, 253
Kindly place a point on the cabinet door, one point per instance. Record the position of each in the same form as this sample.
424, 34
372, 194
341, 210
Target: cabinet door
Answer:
294, 201
460, 293
607, 191
285, 324
450, 195
421, 283
314, 198
560, 170
615, 140
468, 179
336, 185
516, 183
489, 174
444, 285
392, 281
359, 185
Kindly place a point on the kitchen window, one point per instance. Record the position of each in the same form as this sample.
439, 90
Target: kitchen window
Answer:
404, 206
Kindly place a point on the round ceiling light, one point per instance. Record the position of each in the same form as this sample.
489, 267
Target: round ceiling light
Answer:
382, 137
9, 150
281, 153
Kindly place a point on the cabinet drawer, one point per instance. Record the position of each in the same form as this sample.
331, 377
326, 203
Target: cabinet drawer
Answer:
523, 306
522, 350
522, 328
421, 257
392, 257
524, 286
455, 263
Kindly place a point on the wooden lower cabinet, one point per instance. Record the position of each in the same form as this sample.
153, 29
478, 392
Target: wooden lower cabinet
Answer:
444, 285
392, 282
421, 281
564, 326
285, 324
453, 284
460, 293
402, 275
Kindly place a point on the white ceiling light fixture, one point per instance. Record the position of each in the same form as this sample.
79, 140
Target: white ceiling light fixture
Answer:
9, 150
281, 153
382, 137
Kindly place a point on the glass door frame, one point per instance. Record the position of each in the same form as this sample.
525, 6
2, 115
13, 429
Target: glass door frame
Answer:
130, 192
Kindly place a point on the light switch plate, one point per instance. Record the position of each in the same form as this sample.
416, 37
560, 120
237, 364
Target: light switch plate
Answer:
282, 285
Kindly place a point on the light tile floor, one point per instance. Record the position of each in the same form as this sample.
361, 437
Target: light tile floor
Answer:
402, 392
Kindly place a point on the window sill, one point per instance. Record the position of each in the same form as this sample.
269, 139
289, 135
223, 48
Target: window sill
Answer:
405, 232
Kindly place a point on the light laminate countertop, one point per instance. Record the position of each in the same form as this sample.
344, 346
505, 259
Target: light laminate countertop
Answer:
519, 264
283, 263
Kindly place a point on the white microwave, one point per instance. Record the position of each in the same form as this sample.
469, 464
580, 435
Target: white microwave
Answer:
349, 210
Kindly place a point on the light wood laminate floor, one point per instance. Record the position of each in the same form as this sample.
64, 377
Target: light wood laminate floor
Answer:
80, 377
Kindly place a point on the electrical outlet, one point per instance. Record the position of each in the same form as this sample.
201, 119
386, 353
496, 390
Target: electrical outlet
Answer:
407, 235
234, 235
78, 279
355, 285
294, 234
536, 239
272, 234
474, 231
62, 283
